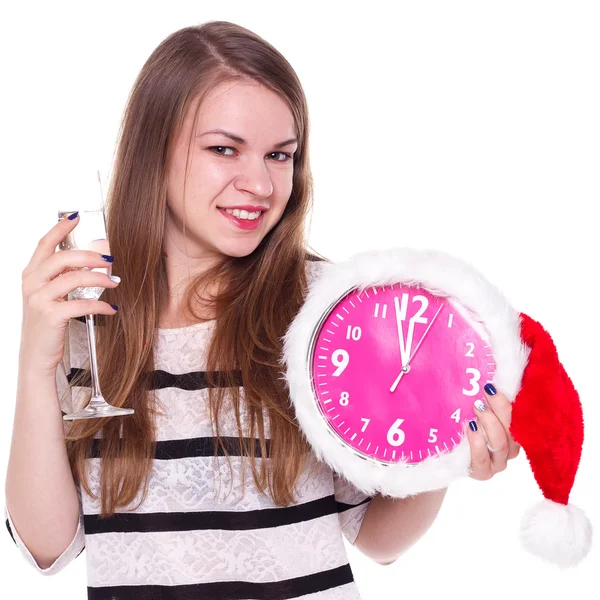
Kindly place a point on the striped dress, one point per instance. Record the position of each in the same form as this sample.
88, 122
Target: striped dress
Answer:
194, 536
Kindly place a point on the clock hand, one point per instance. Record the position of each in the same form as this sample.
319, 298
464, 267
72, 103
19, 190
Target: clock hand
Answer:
409, 339
403, 351
406, 367
400, 343
428, 328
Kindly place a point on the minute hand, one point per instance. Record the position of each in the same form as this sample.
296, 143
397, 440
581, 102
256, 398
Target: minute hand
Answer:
428, 328
406, 367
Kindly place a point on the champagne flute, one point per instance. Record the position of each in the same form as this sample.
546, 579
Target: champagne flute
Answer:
90, 234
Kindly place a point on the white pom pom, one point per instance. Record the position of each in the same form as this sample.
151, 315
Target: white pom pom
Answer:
558, 533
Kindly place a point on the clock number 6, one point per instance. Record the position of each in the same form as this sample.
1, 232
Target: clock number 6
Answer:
395, 435
474, 385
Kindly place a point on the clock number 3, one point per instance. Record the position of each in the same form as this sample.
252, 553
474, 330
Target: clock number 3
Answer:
476, 376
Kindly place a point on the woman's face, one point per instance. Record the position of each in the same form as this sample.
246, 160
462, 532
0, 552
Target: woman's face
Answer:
254, 169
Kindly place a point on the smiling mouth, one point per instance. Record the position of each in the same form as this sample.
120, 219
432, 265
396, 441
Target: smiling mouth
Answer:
248, 224
260, 213
260, 210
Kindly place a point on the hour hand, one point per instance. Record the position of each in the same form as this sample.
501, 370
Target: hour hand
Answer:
405, 369
403, 357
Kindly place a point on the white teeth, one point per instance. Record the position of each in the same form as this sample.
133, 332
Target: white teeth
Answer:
243, 214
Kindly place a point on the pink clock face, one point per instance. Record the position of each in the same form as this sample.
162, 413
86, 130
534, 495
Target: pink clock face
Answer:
382, 411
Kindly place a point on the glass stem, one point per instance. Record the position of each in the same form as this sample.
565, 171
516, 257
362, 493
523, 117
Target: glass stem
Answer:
96, 393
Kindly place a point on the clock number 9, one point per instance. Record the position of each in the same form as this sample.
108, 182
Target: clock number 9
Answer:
475, 386
340, 359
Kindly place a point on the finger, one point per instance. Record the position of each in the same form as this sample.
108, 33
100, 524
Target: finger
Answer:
495, 434
61, 286
78, 308
48, 243
502, 408
59, 263
481, 463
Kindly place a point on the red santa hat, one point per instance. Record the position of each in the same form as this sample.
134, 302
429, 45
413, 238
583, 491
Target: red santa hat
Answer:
547, 422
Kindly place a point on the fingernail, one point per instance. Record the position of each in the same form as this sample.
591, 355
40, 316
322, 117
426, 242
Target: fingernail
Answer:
473, 425
479, 405
490, 389
115, 306
73, 216
115, 278
107, 258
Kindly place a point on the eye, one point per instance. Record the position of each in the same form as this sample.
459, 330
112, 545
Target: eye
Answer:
221, 148
286, 156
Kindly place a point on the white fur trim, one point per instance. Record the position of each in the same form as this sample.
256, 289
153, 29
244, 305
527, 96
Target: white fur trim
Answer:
440, 274
558, 533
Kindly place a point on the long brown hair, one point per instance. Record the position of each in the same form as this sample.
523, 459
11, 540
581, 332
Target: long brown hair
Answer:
261, 294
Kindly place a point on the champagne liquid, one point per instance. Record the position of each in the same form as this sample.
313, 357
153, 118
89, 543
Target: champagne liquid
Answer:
93, 293
89, 234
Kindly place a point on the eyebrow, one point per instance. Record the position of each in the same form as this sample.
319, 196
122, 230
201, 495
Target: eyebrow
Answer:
241, 141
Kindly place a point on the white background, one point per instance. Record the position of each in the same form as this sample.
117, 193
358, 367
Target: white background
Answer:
470, 127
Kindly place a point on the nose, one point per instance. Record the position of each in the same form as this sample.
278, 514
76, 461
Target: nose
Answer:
254, 177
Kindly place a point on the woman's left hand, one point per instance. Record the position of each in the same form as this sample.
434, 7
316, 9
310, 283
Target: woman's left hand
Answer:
493, 422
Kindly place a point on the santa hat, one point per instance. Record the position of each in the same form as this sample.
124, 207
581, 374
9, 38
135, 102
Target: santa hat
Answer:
547, 422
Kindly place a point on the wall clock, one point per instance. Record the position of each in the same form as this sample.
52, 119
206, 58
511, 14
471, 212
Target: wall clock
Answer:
384, 374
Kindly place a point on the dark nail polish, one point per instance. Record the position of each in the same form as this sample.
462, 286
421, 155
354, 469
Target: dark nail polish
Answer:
73, 216
107, 258
473, 425
115, 306
490, 389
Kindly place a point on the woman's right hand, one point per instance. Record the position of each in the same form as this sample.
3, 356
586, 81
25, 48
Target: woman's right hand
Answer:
46, 282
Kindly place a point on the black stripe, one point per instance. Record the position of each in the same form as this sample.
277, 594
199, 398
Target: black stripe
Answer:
10, 531
342, 506
230, 590
128, 522
195, 380
192, 447
159, 379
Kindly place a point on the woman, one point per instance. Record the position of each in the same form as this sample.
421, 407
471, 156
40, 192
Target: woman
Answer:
217, 122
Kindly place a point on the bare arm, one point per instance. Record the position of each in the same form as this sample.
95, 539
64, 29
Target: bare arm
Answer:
41, 496
392, 525
42, 501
